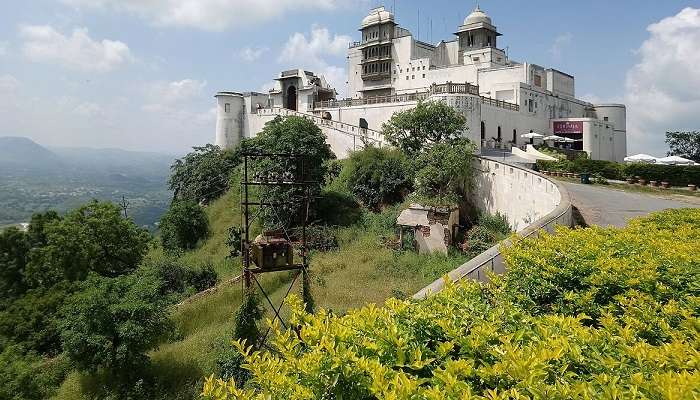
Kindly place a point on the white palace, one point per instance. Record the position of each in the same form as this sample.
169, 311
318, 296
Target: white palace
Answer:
390, 70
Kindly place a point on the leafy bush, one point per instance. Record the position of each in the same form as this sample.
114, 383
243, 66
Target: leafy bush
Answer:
378, 176
428, 123
588, 313
676, 175
319, 237
202, 175
607, 169
183, 226
112, 323
203, 278
478, 240
178, 279
684, 144
444, 171
496, 223
28, 376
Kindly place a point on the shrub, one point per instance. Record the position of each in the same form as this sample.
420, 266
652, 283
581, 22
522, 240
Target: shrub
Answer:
607, 169
529, 335
496, 223
183, 226
178, 279
444, 171
378, 176
676, 175
27, 376
203, 278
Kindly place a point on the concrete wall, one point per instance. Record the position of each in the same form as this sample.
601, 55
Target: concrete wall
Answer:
522, 195
512, 191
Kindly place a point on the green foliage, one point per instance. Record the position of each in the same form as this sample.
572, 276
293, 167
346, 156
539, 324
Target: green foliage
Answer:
111, 324
676, 175
684, 144
428, 123
202, 175
497, 223
290, 135
247, 317
479, 239
29, 376
378, 176
93, 238
183, 226
607, 169
177, 278
306, 293
14, 250
444, 171
319, 237
37, 227
529, 335
234, 240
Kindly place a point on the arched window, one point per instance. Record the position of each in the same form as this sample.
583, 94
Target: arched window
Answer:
483, 130
499, 135
515, 136
292, 98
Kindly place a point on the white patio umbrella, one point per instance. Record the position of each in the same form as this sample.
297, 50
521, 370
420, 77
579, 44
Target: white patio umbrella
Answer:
641, 158
675, 160
554, 137
567, 140
531, 135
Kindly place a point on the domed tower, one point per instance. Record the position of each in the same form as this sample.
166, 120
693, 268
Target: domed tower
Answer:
377, 53
477, 33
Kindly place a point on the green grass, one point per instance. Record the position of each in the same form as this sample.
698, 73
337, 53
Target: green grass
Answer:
361, 271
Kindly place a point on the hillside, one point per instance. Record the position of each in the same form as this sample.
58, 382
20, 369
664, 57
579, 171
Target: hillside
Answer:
20, 153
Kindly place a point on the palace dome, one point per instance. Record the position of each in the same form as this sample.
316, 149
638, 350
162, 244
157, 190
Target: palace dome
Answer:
477, 16
376, 16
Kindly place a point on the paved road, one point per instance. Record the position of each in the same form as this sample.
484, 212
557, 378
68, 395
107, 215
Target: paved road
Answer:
603, 206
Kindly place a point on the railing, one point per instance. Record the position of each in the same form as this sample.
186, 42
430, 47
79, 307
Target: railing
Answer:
491, 261
443, 88
376, 75
364, 134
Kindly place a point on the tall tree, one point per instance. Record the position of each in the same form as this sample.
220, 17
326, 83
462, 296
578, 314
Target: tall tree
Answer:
428, 123
684, 144
203, 174
14, 250
183, 226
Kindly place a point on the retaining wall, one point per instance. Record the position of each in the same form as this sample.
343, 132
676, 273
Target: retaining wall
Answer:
531, 202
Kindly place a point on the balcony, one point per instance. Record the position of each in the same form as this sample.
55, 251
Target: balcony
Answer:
376, 76
386, 57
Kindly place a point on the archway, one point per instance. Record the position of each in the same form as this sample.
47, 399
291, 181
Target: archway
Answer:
292, 98
500, 137
363, 123
327, 115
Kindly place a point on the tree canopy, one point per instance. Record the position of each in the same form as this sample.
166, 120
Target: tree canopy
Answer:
428, 123
183, 225
203, 174
684, 144
444, 171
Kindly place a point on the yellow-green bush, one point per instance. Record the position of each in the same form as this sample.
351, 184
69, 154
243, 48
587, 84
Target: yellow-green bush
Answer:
589, 313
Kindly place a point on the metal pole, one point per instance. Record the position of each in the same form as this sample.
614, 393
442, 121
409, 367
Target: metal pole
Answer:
246, 250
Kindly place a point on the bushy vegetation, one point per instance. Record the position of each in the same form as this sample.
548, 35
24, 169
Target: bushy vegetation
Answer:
183, 226
378, 176
444, 172
203, 174
676, 175
588, 313
428, 123
684, 144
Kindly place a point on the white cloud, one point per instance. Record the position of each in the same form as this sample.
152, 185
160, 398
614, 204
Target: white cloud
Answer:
313, 52
663, 88
168, 93
76, 51
4, 48
251, 54
213, 15
8, 84
560, 43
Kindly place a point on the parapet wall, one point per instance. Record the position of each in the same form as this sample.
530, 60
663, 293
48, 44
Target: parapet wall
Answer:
531, 202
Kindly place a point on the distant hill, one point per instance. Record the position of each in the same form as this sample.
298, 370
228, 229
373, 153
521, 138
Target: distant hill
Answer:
35, 178
23, 153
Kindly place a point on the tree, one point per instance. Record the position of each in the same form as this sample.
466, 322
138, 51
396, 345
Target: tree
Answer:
428, 123
444, 171
684, 144
295, 135
94, 237
378, 176
112, 323
202, 175
183, 225
14, 250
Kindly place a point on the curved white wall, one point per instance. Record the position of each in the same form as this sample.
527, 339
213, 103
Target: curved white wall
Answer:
230, 114
617, 115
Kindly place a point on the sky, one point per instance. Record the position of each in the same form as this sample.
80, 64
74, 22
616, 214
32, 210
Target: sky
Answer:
141, 74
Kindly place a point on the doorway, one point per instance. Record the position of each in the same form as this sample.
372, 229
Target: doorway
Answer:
292, 98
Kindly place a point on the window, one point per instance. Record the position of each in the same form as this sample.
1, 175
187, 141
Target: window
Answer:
227, 107
476, 59
423, 76
605, 118
538, 80
406, 77
424, 68
413, 77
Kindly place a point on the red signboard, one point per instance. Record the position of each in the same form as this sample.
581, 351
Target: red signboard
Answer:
564, 127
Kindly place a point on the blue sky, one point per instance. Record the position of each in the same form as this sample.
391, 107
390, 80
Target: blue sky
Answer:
140, 74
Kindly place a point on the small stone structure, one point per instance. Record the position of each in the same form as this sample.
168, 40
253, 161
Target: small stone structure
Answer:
433, 227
